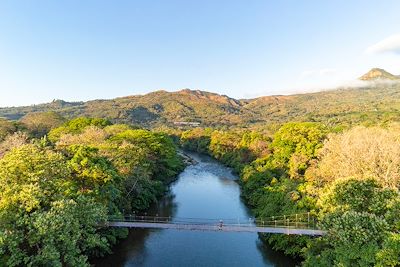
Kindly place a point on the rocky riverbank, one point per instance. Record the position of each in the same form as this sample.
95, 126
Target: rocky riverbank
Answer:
187, 160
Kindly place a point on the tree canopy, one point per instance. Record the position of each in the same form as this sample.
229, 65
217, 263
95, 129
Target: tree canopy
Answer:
55, 196
349, 180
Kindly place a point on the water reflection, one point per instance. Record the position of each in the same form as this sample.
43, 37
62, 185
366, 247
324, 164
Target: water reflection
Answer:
205, 190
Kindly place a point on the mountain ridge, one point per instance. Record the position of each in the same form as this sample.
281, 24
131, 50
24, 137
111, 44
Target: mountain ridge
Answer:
372, 102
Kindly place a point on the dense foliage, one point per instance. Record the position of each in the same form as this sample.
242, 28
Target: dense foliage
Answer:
347, 176
349, 180
55, 196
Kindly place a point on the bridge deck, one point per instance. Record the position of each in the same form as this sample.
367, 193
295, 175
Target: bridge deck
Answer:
224, 228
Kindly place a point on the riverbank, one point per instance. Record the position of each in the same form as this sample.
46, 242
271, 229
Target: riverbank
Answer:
160, 195
265, 185
98, 171
303, 167
186, 158
204, 190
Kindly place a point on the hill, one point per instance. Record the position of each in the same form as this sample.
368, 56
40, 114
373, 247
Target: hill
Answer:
159, 107
378, 74
375, 103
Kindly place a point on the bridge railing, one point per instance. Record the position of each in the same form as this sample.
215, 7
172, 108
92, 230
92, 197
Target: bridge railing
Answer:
299, 221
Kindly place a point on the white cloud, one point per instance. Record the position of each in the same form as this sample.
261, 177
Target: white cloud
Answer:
318, 72
390, 44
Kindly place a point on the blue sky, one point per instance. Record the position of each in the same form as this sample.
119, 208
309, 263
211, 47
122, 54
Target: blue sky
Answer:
80, 50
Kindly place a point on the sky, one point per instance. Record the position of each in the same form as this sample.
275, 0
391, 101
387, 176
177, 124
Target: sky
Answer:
80, 50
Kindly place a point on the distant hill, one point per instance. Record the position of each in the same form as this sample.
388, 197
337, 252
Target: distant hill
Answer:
374, 103
156, 108
379, 74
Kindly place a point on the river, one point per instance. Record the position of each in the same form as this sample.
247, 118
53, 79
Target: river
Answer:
205, 190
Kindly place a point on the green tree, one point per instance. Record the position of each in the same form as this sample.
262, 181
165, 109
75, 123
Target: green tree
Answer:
295, 144
76, 126
389, 255
94, 175
40, 224
165, 162
356, 214
54, 197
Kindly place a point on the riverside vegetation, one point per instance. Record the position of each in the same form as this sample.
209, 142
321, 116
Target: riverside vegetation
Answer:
56, 192
349, 179
335, 154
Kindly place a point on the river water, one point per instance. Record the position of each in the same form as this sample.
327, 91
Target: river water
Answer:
205, 190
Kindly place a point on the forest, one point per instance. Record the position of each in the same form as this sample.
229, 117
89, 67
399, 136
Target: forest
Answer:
196, 133
349, 179
52, 168
61, 180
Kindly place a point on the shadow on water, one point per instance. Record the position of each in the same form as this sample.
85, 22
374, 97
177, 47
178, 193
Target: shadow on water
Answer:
133, 246
276, 257
130, 247
208, 190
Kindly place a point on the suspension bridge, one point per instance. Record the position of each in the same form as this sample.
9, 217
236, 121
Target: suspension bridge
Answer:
295, 224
